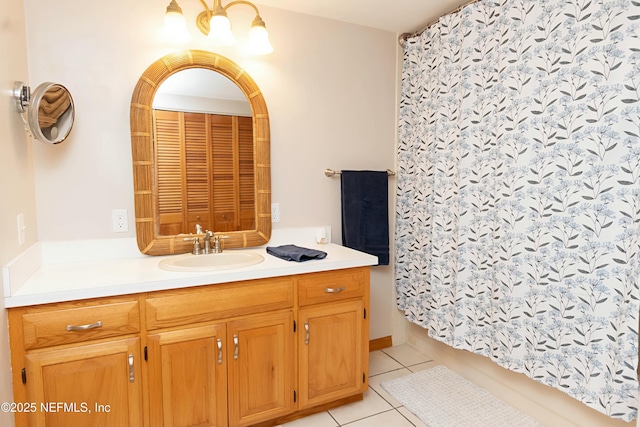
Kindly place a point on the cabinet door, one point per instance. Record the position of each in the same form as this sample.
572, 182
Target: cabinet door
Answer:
330, 348
261, 368
88, 385
187, 377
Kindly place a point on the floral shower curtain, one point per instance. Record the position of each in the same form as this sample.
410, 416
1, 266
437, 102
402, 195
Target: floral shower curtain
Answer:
518, 213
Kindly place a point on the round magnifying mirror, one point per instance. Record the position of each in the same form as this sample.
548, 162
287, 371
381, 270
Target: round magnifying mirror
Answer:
51, 113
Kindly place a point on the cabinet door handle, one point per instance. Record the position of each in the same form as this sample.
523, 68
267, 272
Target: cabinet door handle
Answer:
235, 350
334, 290
84, 327
219, 351
132, 376
306, 330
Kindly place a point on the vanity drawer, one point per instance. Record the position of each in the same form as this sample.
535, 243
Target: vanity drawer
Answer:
201, 304
67, 323
317, 288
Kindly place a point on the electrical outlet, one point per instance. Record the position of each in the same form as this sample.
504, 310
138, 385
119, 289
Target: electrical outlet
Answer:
119, 221
275, 212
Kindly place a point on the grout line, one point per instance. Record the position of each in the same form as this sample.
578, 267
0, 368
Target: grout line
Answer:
386, 372
364, 418
382, 397
333, 418
393, 358
406, 366
410, 422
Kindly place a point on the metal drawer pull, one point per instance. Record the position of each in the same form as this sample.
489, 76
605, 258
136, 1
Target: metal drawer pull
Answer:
306, 330
84, 327
334, 290
219, 351
235, 351
132, 376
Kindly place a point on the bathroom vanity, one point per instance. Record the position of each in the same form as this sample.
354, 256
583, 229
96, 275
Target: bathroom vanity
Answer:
286, 340
118, 341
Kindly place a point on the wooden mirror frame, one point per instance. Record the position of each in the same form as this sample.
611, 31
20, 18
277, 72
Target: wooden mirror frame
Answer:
145, 186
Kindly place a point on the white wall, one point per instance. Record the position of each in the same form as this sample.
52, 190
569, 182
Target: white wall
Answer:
329, 86
16, 169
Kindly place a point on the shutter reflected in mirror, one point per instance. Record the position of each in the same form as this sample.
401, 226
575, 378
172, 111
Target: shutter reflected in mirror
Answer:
205, 165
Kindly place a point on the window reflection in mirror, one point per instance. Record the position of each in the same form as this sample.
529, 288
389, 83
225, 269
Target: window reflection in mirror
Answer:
203, 146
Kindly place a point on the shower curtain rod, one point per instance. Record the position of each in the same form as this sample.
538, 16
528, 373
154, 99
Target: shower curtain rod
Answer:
403, 37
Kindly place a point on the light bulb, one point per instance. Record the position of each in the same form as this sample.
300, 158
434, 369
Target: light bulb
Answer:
259, 38
175, 26
220, 31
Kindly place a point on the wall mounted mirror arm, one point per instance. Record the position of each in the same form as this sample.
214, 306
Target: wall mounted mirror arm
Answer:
49, 109
22, 96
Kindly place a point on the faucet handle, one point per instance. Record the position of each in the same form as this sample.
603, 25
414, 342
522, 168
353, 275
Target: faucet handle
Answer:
196, 244
217, 248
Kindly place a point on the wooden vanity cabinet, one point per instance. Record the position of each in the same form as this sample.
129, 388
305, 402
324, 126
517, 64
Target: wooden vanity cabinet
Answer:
96, 384
246, 353
77, 363
188, 377
221, 353
334, 340
261, 368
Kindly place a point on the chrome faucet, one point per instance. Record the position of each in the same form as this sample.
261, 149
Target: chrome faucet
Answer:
216, 248
207, 241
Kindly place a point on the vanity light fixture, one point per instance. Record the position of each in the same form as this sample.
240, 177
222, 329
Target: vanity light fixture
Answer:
215, 24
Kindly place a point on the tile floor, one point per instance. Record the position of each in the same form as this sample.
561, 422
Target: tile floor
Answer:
378, 408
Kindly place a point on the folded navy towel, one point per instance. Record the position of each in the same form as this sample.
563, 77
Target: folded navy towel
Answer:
295, 253
365, 212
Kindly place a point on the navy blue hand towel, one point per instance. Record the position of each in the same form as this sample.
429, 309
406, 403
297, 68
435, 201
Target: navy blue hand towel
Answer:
365, 212
295, 253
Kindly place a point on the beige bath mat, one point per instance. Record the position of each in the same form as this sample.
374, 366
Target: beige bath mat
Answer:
442, 398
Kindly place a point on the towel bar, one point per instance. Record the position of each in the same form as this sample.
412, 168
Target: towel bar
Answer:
331, 172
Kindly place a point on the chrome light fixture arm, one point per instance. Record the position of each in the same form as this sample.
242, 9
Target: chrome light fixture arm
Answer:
218, 9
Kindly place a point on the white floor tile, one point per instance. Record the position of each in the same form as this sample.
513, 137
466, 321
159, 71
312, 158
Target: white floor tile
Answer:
411, 417
423, 366
385, 419
371, 404
380, 362
406, 355
375, 381
321, 419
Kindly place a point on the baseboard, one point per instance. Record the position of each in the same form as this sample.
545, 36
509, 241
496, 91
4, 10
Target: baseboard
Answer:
380, 343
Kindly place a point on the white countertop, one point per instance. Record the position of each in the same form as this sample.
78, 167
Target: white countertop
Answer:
67, 273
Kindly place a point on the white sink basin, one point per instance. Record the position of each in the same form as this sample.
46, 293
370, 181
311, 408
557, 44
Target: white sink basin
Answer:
211, 262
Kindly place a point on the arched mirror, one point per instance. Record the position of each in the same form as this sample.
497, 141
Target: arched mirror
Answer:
200, 145
50, 111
